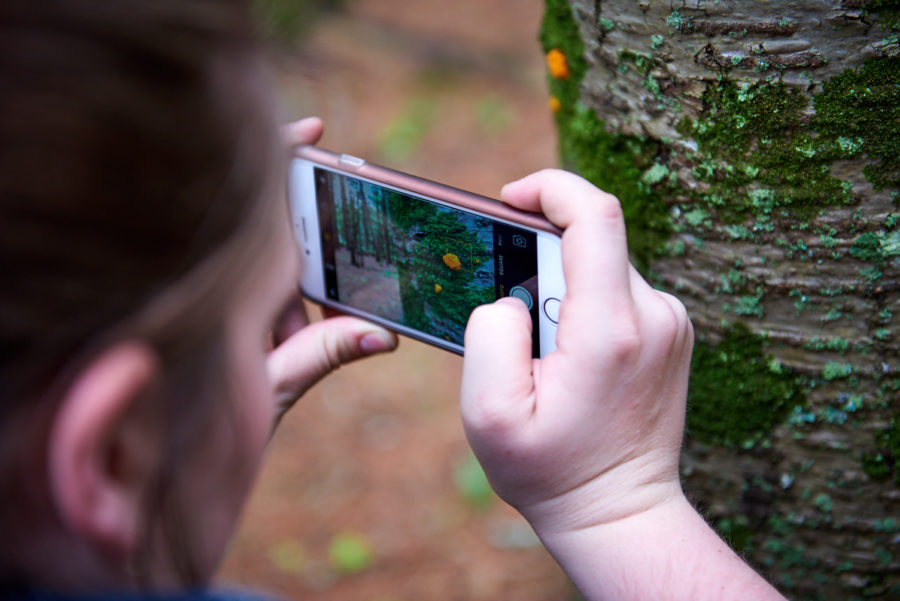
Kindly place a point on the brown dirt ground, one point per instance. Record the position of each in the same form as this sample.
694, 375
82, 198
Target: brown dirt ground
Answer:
374, 449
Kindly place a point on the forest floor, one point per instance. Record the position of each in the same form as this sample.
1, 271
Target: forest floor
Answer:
369, 490
374, 286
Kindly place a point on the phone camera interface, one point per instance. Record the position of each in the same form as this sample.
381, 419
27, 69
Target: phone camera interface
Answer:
523, 295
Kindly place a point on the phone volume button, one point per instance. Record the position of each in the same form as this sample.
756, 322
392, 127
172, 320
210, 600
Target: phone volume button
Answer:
351, 161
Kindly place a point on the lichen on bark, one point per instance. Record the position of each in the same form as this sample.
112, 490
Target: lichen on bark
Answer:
756, 153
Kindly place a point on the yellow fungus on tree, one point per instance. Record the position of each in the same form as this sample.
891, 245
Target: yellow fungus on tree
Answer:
452, 261
557, 65
555, 104
438, 288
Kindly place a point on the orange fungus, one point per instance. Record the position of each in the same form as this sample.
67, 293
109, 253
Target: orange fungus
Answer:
452, 261
555, 104
557, 65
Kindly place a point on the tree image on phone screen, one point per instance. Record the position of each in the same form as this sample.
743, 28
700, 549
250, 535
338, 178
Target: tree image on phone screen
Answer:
411, 261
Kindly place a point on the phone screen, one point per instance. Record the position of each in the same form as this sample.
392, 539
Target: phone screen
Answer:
416, 262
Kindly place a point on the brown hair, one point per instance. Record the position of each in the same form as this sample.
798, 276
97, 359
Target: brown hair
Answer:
136, 138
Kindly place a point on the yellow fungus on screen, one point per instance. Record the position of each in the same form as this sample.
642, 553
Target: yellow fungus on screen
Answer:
452, 261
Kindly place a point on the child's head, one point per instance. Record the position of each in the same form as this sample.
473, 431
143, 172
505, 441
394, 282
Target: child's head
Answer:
143, 251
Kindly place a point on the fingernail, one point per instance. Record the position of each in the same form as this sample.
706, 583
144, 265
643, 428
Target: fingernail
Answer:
512, 301
377, 342
309, 120
508, 186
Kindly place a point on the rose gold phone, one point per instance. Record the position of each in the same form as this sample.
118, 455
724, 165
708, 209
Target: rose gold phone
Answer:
417, 256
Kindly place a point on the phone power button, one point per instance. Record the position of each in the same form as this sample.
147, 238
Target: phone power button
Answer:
551, 309
351, 161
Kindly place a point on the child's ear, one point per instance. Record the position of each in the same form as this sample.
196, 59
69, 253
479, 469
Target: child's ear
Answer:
104, 448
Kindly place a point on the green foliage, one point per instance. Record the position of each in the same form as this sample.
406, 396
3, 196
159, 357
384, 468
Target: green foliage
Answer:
736, 395
472, 483
349, 553
422, 268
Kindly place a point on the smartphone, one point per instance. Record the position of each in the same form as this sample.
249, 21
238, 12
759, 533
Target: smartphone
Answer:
416, 256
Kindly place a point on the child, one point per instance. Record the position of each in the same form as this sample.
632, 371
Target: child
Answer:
146, 259
151, 336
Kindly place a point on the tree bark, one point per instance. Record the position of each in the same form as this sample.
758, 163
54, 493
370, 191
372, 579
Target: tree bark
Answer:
755, 147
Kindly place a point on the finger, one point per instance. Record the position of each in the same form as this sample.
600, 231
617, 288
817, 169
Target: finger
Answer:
304, 131
662, 314
685, 338
597, 316
293, 319
321, 347
595, 250
497, 384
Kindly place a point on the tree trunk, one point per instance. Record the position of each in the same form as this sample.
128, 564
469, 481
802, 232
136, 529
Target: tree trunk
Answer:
357, 250
755, 147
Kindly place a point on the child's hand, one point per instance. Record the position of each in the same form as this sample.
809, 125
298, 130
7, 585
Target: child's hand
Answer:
302, 352
591, 433
585, 442
304, 131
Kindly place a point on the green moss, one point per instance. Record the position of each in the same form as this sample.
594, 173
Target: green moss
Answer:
867, 248
750, 305
881, 463
613, 162
840, 345
606, 25
621, 165
655, 174
675, 20
863, 106
757, 138
735, 396
758, 153
834, 370
736, 531
752, 138
560, 31
887, 12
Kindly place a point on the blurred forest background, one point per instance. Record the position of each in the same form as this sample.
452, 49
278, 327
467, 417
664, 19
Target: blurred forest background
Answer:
370, 491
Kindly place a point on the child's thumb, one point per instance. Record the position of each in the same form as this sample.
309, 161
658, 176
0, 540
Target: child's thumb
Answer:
320, 348
497, 385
